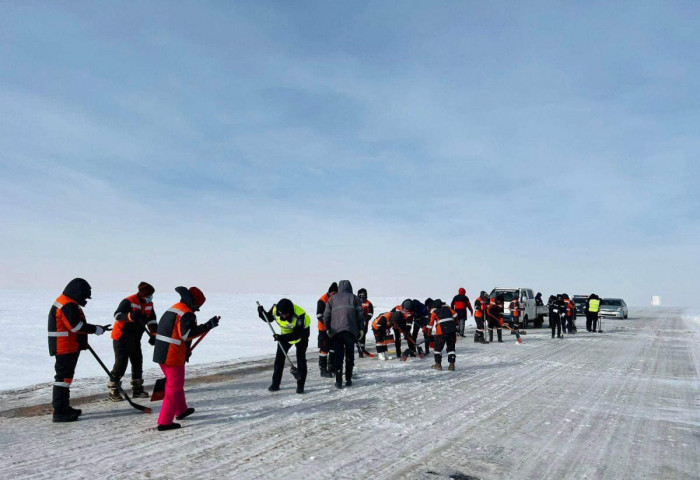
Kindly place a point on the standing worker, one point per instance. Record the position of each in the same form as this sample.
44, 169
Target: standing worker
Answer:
444, 320
176, 329
495, 319
515, 311
295, 326
592, 310
325, 346
133, 316
368, 309
460, 304
68, 332
344, 320
480, 309
556, 309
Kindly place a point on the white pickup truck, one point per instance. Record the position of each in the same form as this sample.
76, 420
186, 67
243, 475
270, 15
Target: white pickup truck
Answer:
530, 313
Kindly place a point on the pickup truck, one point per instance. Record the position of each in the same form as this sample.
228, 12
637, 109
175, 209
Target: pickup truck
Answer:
530, 313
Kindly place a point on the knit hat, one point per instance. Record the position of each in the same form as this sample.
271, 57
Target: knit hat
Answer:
198, 297
462, 291
333, 288
145, 290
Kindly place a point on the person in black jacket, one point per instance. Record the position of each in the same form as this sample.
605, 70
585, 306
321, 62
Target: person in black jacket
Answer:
460, 304
67, 332
133, 316
368, 309
344, 321
556, 311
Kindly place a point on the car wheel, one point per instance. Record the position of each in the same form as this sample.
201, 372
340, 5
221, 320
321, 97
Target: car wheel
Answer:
525, 322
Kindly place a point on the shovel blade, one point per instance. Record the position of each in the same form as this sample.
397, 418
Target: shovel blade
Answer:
158, 390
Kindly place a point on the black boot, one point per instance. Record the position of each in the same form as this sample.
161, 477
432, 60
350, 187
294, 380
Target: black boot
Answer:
62, 411
137, 390
339, 379
490, 334
172, 426
185, 414
300, 386
499, 332
348, 376
476, 337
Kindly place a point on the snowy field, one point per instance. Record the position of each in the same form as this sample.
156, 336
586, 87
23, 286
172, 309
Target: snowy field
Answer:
618, 405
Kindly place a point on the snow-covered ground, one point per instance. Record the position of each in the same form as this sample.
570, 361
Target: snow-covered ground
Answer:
617, 405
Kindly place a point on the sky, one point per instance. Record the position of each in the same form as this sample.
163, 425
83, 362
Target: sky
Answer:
412, 147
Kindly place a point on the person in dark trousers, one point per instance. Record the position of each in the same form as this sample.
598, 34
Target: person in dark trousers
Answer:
494, 315
67, 332
325, 345
567, 325
556, 309
133, 316
380, 328
421, 318
480, 315
405, 323
592, 309
344, 320
539, 303
368, 309
444, 320
295, 328
176, 330
460, 304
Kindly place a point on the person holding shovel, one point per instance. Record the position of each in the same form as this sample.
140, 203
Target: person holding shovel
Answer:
176, 330
295, 328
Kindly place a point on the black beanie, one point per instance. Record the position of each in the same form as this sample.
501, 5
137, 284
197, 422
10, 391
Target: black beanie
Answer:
333, 288
145, 290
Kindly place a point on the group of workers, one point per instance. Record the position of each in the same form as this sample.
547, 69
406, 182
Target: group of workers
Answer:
343, 322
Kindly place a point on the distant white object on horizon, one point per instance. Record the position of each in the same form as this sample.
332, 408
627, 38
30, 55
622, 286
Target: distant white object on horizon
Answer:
656, 301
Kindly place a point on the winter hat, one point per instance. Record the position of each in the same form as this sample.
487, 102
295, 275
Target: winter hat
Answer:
436, 303
362, 291
285, 307
198, 297
462, 291
429, 302
145, 290
407, 305
333, 288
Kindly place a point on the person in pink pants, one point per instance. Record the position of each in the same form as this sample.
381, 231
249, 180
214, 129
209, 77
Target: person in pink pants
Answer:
176, 329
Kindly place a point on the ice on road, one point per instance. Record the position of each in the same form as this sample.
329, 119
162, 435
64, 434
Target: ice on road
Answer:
619, 405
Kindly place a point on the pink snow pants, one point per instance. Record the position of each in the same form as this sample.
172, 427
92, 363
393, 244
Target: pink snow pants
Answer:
174, 402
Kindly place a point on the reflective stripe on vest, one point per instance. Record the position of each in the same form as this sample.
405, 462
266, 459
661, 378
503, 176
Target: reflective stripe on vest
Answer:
58, 334
594, 306
163, 338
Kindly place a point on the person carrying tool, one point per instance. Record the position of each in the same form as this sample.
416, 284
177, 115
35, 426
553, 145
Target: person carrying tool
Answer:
295, 328
176, 330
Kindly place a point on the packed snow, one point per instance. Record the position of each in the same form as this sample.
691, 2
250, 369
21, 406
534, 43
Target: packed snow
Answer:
618, 405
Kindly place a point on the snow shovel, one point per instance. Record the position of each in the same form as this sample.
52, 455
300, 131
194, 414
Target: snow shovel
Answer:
159, 388
118, 384
410, 339
600, 324
514, 330
292, 368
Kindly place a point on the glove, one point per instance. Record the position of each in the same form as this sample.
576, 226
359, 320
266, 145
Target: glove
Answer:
100, 329
261, 312
152, 340
276, 337
212, 323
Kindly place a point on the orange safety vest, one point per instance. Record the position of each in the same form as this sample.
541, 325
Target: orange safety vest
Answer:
63, 338
515, 308
444, 320
377, 322
136, 306
172, 344
479, 307
324, 298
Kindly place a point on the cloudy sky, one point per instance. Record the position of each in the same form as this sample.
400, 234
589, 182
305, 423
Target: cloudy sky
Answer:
413, 147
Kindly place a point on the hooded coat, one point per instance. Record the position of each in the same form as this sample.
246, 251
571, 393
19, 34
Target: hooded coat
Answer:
344, 312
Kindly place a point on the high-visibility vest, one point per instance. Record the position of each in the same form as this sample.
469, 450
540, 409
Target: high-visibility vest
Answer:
287, 326
172, 343
144, 309
324, 298
515, 308
63, 337
594, 305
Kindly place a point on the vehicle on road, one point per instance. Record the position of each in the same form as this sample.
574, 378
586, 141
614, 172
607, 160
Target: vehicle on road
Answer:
580, 302
613, 307
528, 307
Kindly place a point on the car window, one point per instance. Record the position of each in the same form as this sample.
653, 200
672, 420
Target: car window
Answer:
529, 294
614, 302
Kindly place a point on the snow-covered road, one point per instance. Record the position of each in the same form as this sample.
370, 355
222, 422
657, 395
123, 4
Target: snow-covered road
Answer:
620, 405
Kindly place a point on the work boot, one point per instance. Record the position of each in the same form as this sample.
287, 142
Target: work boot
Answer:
185, 414
300, 386
273, 388
348, 376
451, 367
560, 336
477, 337
339, 379
137, 390
490, 335
500, 335
67, 416
172, 426
437, 366
114, 394
75, 411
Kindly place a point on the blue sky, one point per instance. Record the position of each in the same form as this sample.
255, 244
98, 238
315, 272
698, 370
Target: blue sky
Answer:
413, 147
